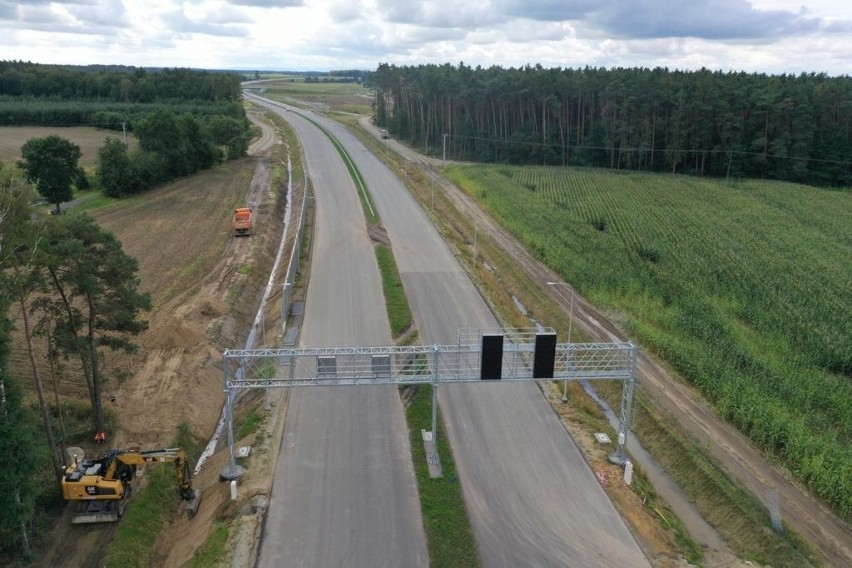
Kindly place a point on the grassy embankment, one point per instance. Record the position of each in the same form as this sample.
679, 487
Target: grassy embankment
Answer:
150, 509
340, 97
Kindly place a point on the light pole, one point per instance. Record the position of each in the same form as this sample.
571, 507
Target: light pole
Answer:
444, 159
570, 321
285, 305
475, 233
432, 179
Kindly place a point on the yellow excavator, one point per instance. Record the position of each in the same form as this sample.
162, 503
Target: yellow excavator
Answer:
102, 487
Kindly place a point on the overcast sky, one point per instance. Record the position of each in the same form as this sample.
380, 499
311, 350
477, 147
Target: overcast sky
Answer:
771, 36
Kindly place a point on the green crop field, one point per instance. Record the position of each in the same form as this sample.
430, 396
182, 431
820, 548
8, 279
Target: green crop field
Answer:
745, 288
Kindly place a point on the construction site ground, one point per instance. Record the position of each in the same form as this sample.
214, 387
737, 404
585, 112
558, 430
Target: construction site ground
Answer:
206, 287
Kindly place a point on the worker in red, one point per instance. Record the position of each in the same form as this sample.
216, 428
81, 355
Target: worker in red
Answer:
100, 437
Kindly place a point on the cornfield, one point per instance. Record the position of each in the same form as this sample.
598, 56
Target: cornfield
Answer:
745, 288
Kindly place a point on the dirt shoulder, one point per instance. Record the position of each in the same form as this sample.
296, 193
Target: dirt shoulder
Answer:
205, 285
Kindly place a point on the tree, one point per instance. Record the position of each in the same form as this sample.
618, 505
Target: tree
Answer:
16, 431
114, 168
24, 277
231, 133
51, 164
160, 133
97, 294
16, 440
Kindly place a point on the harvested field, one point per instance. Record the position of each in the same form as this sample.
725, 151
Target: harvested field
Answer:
88, 139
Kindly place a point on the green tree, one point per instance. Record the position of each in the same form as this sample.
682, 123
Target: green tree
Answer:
230, 132
16, 451
160, 133
198, 152
97, 293
114, 169
16, 427
51, 164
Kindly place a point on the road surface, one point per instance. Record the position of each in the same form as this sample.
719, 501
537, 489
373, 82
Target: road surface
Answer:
344, 492
532, 499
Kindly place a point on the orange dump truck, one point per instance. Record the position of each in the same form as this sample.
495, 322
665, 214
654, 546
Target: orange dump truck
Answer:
242, 222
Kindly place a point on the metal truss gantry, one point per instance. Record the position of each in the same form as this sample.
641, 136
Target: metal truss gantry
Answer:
479, 356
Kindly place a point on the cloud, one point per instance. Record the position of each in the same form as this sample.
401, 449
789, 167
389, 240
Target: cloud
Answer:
719, 20
105, 16
342, 11
216, 12
440, 13
550, 10
334, 34
268, 3
181, 23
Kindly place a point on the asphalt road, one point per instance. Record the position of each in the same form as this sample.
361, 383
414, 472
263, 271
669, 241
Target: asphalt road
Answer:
532, 499
344, 492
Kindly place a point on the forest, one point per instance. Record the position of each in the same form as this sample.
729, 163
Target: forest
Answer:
707, 123
117, 84
110, 97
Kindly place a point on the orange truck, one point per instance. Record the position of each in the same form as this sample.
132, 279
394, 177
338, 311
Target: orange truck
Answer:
242, 222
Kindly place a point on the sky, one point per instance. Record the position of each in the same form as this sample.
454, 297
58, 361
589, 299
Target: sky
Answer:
763, 36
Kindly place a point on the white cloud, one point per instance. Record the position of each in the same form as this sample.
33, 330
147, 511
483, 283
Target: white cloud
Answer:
753, 35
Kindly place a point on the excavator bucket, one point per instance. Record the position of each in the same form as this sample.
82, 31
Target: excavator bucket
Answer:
193, 503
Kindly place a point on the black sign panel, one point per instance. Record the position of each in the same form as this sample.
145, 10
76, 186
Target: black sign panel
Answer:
491, 368
545, 355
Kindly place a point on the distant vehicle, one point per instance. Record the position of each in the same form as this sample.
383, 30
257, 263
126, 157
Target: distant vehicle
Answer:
385, 134
242, 222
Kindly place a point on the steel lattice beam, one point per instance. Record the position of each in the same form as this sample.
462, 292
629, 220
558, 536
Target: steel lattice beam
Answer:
433, 365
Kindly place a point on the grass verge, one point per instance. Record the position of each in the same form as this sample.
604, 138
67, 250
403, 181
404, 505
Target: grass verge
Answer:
250, 422
399, 312
738, 516
448, 532
149, 510
213, 550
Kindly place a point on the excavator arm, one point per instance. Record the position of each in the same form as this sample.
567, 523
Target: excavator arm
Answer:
99, 484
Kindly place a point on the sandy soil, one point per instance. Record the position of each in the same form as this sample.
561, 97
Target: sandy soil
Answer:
200, 308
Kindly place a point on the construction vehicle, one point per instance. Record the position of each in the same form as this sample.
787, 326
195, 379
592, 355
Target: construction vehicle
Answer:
242, 221
102, 487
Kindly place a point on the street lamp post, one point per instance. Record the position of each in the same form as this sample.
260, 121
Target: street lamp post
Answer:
444, 155
475, 233
570, 321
